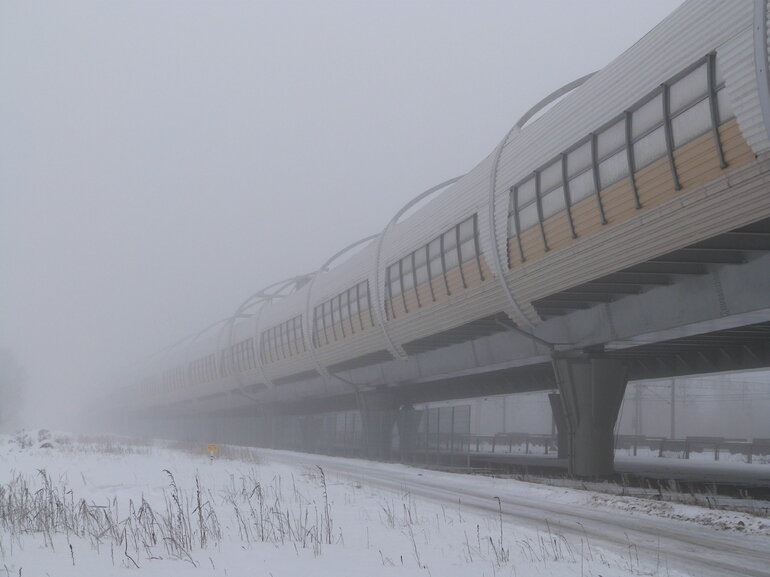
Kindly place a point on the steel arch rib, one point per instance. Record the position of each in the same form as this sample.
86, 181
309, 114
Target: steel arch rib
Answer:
496, 262
379, 307
306, 324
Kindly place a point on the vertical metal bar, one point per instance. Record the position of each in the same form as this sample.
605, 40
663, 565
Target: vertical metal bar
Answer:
443, 265
460, 256
565, 188
711, 65
430, 274
314, 327
414, 279
476, 245
369, 303
301, 334
669, 135
323, 320
388, 296
630, 157
539, 204
515, 197
289, 336
349, 294
350, 311
597, 176
401, 283
283, 329
333, 320
358, 306
287, 326
342, 320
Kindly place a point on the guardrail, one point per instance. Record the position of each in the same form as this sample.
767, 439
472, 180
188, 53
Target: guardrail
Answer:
540, 444
750, 448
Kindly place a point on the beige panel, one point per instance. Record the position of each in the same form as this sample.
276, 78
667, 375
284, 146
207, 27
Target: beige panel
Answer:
297, 345
485, 269
356, 320
398, 306
389, 308
369, 319
362, 320
557, 231
655, 183
514, 258
423, 291
454, 280
471, 273
618, 201
411, 300
532, 243
735, 148
585, 216
697, 161
439, 288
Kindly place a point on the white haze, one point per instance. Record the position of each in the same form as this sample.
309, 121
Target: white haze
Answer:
160, 161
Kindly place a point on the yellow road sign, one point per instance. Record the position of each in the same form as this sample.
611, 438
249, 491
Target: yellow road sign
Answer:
213, 448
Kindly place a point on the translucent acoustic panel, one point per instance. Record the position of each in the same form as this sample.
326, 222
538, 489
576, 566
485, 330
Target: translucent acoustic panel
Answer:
582, 186
613, 169
468, 250
528, 216
553, 202
691, 123
550, 176
579, 159
650, 148
647, 116
687, 90
612, 139
526, 192
466, 229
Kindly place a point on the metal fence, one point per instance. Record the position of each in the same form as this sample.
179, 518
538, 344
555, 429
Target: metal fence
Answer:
444, 436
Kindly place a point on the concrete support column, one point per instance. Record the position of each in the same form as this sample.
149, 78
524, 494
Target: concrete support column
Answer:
591, 392
560, 419
408, 423
379, 414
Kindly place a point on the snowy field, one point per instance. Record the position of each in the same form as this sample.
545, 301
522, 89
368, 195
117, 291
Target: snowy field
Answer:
105, 506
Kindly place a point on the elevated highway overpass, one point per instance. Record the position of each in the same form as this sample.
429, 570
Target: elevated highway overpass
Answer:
622, 234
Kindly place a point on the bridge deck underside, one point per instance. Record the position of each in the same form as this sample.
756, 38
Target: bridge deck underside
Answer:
734, 247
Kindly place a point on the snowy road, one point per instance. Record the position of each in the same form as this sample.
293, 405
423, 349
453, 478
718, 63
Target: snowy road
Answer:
683, 545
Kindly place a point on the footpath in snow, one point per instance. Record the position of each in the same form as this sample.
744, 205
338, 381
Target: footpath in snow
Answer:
105, 506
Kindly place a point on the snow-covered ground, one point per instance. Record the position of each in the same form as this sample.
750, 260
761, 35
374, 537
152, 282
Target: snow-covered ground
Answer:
106, 506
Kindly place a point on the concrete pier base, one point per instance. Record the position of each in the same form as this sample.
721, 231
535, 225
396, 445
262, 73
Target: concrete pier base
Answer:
591, 391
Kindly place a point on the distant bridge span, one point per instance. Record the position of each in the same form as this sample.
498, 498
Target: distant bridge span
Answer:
622, 234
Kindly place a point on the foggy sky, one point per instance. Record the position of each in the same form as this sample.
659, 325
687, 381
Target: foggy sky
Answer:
160, 161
